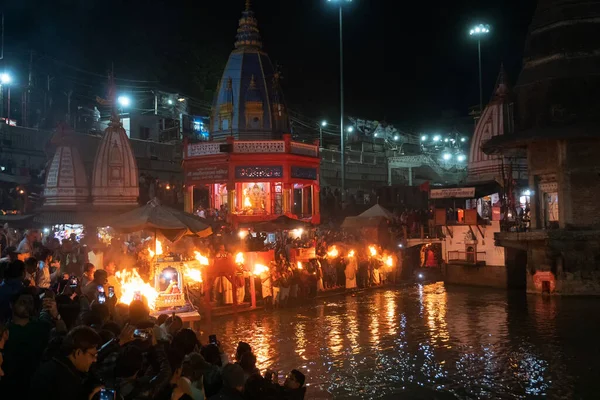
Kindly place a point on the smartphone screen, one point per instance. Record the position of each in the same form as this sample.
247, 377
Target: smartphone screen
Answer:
111, 291
107, 394
137, 296
141, 334
73, 282
100, 289
212, 339
101, 298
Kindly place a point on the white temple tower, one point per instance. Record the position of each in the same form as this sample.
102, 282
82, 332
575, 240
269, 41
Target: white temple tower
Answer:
115, 174
66, 180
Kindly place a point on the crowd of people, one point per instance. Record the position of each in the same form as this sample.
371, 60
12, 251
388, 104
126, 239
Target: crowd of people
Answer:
66, 336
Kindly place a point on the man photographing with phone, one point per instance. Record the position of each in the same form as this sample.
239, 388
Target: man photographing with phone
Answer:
66, 376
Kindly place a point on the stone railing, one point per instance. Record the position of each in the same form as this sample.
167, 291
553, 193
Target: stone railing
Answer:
251, 147
259, 146
304, 149
203, 149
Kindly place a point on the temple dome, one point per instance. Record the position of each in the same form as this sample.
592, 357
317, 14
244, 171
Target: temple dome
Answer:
115, 175
249, 102
559, 83
66, 180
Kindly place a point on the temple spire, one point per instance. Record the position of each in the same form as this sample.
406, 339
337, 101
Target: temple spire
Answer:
501, 89
248, 36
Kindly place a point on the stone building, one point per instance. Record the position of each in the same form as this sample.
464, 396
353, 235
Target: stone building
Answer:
558, 129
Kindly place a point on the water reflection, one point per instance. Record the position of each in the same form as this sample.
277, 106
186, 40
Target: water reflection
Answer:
428, 341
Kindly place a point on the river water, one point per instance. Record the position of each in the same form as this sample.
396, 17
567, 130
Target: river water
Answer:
429, 342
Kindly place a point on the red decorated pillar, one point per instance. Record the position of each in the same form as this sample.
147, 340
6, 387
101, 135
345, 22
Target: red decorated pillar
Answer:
316, 203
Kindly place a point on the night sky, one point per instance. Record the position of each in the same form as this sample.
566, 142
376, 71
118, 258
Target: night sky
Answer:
406, 62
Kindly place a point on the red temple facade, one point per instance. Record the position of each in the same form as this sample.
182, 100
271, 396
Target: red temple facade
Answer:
251, 165
257, 180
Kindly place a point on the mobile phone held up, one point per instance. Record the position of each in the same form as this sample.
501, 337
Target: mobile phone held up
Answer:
107, 394
73, 281
141, 334
212, 339
137, 296
101, 298
111, 292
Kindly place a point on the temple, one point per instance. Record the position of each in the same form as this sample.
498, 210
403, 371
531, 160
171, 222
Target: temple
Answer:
497, 119
557, 127
251, 166
115, 175
68, 194
66, 180
249, 102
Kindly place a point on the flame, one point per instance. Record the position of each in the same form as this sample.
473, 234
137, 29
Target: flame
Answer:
259, 269
389, 261
239, 258
247, 202
373, 251
333, 252
351, 254
201, 259
158, 251
194, 274
131, 282
299, 265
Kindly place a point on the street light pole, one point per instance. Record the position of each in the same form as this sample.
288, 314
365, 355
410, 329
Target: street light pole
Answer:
321, 126
342, 132
478, 32
480, 79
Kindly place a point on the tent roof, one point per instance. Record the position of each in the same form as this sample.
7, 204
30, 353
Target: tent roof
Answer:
377, 211
363, 222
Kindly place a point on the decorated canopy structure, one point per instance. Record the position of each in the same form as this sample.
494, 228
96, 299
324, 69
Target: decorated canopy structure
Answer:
171, 223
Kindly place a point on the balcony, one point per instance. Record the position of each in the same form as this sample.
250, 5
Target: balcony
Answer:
466, 257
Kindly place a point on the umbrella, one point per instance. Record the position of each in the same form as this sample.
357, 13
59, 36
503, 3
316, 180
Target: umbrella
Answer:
283, 222
171, 223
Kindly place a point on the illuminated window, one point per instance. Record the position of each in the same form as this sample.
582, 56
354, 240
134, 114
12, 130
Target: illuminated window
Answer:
255, 198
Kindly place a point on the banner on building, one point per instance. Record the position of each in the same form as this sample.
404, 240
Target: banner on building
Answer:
207, 174
452, 193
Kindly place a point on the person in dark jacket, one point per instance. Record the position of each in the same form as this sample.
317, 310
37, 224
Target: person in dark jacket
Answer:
233, 383
142, 370
66, 377
293, 387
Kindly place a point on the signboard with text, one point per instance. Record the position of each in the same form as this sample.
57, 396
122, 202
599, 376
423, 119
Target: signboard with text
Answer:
207, 174
452, 193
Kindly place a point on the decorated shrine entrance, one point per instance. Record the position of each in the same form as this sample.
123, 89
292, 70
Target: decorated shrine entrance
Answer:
255, 180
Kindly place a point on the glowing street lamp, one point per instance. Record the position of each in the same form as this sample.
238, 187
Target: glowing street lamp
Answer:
447, 156
342, 132
5, 78
461, 157
350, 129
436, 138
124, 101
423, 138
479, 31
322, 125
463, 139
